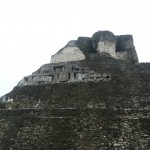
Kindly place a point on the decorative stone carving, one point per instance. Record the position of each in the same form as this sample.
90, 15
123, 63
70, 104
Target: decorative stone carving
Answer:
42, 79
63, 72
63, 77
81, 77
106, 77
58, 69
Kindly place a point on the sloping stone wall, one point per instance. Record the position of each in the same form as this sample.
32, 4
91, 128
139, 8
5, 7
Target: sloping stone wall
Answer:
85, 115
74, 129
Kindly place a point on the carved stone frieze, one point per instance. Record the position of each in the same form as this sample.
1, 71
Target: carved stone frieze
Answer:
63, 72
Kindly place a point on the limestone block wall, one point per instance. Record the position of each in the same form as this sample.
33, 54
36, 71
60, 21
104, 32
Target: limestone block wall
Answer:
73, 129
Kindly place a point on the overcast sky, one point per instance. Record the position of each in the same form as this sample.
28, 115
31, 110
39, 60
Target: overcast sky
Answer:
32, 30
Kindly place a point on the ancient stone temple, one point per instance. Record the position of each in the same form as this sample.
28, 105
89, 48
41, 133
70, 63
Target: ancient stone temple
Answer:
93, 95
65, 65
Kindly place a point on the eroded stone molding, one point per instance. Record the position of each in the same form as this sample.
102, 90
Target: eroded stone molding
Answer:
63, 72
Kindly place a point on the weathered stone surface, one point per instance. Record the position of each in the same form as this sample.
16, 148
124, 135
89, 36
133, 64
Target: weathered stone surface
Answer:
125, 49
85, 44
26, 81
124, 43
105, 41
70, 52
102, 42
122, 55
63, 72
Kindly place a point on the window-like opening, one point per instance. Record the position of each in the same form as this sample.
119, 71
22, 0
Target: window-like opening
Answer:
75, 76
26, 79
107, 77
68, 75
76, 69
58, 68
